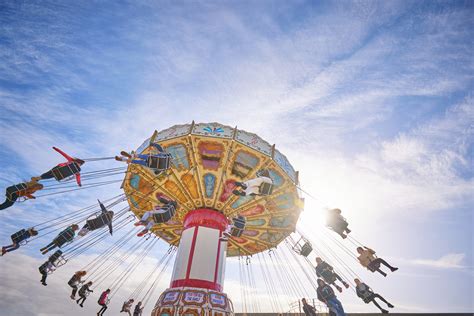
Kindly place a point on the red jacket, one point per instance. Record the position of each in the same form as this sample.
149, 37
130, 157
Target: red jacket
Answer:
69, 161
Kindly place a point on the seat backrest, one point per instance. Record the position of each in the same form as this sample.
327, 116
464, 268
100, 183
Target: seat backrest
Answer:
266, 188
66, 171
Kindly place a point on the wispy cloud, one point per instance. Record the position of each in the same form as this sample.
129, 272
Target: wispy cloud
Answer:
449, 261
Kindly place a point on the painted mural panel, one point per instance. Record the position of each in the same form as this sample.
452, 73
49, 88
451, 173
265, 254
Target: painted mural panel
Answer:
180, 156
190, 184
211, 154
253, 141
283, 162
244, 163
209, 184
227, 189
213, 129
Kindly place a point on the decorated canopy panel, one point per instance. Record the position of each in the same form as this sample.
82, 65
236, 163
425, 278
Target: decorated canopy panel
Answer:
207, 160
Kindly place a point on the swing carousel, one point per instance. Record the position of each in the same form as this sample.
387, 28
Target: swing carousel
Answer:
191, 175
207, 159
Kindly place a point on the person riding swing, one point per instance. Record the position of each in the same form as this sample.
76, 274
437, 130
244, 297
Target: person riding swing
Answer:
102, 220
337, 223
326, 271
235, 229
261, 185
158, 162
24, 189
18, 238
161, 214
64, 170
64, 237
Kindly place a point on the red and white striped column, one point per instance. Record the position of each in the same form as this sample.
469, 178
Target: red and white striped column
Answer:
200, 261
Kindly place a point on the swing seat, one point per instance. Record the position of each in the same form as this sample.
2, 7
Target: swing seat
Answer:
168, 214
18, 189
239, 226
373, 266
66, 171
57, 258
159, 162
265, 189
17, 237
100, 221
64, 238
306, 249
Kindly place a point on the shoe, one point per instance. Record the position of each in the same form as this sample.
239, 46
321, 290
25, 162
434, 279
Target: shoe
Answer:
343, 236
239, 193
339, 289
44, 251
142, 233
348, 231
44, 283
390, 306
81, 305
394, 269
125, 154
346, 285
35, 179
139, 223
384, 311
4, 251
72, 297
118, 158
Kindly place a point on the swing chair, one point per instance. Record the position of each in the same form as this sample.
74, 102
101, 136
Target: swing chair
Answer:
168, 212
302, 247
239, 226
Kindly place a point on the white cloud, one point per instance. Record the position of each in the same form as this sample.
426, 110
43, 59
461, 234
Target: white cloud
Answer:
449, 261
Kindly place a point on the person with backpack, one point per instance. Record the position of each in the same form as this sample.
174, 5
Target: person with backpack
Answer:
72, 167
367, 295
75, 281
83, 292
17, 238
24, 189
64, 237
326, 295
127, 306
103, 301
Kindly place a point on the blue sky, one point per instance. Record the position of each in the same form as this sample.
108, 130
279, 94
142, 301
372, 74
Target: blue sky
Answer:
372, 101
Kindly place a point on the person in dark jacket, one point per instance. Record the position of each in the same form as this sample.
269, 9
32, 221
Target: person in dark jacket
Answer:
138, 309
326, 295
83, 292
61, 239
326, 271
44, 269
64, 170
75, 281
24, 189
337, 223
50, 265
308, 309
17, 238
103, 301
367, 295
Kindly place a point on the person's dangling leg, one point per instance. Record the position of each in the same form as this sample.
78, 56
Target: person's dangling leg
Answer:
341, 280
11, 248
51, 244
9, 201
385, 263
146, 216
380, 297
378, 306
47, 175
44, 275
74, 291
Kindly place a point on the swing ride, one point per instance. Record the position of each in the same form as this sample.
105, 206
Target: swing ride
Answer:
193, 183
